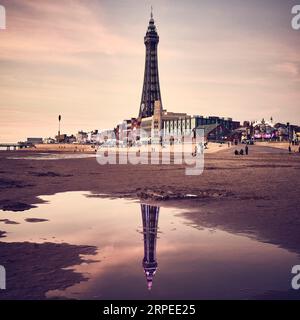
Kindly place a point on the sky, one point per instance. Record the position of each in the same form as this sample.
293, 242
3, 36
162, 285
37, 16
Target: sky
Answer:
84, 59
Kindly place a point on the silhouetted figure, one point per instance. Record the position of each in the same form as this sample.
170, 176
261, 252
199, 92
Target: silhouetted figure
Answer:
246, 150
236, 152
241, 152
299, 149
194, 154
290, 149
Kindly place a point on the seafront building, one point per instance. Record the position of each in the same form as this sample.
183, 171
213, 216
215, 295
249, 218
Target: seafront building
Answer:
267, 130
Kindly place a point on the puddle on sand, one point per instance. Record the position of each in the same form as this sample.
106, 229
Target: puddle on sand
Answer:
146, 252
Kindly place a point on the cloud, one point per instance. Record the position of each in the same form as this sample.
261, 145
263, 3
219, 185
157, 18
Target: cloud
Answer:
291, 69
58, 32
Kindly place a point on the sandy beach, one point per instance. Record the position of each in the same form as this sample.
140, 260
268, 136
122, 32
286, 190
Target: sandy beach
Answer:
235, 192
256, 195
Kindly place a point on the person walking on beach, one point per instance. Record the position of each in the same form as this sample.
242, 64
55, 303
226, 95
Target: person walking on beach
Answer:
246, 150
194, 153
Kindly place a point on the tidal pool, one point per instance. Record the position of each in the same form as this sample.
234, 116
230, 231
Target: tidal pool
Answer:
147, 252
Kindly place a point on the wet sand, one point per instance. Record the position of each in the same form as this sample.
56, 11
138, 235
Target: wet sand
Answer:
32, 269
257, 195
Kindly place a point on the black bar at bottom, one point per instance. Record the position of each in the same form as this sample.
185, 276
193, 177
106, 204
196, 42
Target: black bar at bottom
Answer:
90, 310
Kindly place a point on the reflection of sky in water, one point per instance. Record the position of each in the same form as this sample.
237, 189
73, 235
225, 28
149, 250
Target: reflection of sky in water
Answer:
192, 263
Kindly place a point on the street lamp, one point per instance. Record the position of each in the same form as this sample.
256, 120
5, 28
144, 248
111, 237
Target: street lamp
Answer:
59, 119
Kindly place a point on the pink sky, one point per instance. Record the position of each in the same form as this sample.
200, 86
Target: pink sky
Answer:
85, 61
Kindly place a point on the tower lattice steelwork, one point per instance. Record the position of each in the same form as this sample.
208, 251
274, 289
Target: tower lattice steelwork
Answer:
150, 225
151, 88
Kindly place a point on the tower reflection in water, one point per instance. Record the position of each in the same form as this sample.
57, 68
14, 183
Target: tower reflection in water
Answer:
150, 215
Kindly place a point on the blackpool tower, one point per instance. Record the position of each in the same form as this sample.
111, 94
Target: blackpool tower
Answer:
151, 88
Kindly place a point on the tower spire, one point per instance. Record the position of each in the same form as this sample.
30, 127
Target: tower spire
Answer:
151, 87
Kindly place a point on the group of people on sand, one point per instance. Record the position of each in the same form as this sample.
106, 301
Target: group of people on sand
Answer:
242, 151
199, 149
246, 152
